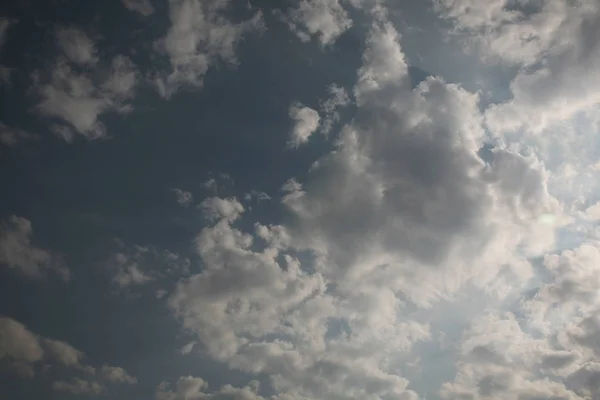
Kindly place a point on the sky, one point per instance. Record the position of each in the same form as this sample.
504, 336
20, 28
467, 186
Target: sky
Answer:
300, 200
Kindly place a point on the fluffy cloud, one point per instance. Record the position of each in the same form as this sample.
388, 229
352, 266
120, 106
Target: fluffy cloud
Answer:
5, 24
408, 208
306, 122
76, 46
499, 359
338, 98
138, 265
407, 183
215, 208
78, 99
551, 351
16, 251
183, 197
199, 36
12, 136
554, 105
79, 386
324, 19
190, 388
5, 72
143, 7
63, 352
116, 375
19, 346
556, 43
23, 350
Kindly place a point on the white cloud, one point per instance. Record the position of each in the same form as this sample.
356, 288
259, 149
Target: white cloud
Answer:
79, 99
79, 386
256, 195
143, 7
5, 24
306, 122
216, 207
409, 208
554, 42
116, 375
190, 388
187, 349
200, 35
136, 265
499, 359
183, 197
76, 46
338, 98
12, 136
130, 274
551, 350
324, 19
16, 251
63, 352
23, 350
5, 73
18, 346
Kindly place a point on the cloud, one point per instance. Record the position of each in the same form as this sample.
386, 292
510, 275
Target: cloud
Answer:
410, 206
190, 388
17, 252
306, 122
216, 207
116, 375
324, 19
18, 346
5, 72
136, 265
187, 349
79, 386
76, 46
245, 296
129, 273
143, 7
200, 35
183, 197
5, 24
23, 350
500, 359
79, 99
63, 352
551, 350
555, 44
12, 136
338, 98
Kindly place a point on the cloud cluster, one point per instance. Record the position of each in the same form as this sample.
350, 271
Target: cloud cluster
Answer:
422, 196
78, 89
136, 265
5, 72
554, 43
306, 122
10, 136
408, 208
17, 251
199, 36
143, 7
24, 351
190, 388
184, 198
324, 19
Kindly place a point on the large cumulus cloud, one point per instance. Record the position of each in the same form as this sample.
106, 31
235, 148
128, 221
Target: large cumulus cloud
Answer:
408, 207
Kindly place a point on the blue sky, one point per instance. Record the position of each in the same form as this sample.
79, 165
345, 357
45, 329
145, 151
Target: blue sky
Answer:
298, 200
